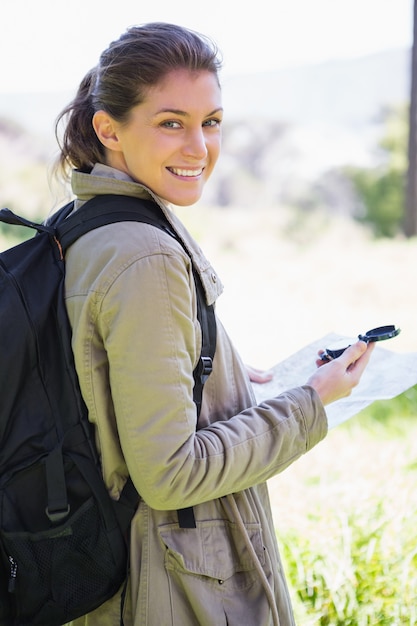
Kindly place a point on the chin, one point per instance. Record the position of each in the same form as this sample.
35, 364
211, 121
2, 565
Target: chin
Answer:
181, 200
184, 202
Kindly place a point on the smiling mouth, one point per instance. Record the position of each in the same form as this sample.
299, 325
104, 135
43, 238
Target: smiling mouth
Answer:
186, 173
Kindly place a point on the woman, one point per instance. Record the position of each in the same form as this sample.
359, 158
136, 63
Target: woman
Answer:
147, 123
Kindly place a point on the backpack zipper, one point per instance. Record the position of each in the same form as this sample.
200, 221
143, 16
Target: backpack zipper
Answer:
13, 574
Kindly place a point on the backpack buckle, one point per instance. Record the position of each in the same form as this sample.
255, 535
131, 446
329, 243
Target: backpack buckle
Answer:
57, 516
206, 367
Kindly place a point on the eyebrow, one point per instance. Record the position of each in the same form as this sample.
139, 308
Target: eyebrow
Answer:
184, 113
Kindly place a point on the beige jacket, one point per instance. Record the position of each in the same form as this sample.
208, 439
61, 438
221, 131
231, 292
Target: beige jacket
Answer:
132, 305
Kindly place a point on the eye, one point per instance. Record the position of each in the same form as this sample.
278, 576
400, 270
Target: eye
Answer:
212, 123
171, 124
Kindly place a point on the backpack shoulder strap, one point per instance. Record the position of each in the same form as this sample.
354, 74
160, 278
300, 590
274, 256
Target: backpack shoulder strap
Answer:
109, 209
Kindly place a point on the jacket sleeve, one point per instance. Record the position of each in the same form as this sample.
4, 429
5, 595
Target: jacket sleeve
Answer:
147, 322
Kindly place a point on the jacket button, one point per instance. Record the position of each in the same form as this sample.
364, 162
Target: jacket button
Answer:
214, 277
221, 581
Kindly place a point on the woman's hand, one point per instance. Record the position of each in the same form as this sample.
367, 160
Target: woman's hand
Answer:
336, 379
258, 376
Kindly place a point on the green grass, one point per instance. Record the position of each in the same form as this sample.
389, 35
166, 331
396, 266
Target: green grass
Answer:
351, 551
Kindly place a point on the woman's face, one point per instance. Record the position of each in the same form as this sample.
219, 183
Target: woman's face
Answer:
171, 141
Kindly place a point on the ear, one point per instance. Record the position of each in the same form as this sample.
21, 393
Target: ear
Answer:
106, 130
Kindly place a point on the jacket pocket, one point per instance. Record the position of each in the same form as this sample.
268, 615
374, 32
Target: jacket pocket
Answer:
215, 548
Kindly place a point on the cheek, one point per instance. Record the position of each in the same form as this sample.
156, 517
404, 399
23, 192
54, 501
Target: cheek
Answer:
215, 147
215, 161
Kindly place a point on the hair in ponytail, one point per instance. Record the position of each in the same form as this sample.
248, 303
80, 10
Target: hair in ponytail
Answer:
80, 146
139, 59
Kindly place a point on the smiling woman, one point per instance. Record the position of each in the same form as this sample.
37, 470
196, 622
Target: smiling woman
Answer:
180, 143
146, 123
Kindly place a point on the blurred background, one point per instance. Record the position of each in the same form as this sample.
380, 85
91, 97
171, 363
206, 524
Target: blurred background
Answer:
314, 163
310, 220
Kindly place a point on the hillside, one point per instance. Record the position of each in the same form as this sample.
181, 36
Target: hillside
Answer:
349, 93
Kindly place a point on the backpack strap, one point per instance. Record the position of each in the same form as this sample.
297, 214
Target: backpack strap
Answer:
108, 209
111, 208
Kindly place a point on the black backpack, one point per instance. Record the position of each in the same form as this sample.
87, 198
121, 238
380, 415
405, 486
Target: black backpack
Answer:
63, 540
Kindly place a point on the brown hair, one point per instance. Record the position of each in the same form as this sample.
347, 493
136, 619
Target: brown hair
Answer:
139, 59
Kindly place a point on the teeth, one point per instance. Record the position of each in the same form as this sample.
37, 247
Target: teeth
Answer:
179, 172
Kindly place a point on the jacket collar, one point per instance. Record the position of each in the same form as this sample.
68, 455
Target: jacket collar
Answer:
107, 180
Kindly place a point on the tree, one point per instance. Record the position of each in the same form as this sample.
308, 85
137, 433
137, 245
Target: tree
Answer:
381, 188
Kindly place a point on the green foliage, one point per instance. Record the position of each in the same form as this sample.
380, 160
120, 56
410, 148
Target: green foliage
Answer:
13, 235
382, 192
356, 565
387, 419
381, 189
367, 577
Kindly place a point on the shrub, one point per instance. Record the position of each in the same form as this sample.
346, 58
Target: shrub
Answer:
381, 189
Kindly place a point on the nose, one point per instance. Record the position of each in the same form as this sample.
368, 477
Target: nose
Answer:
195, 145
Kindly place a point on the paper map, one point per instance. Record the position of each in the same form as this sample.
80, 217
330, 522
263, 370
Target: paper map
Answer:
387, 375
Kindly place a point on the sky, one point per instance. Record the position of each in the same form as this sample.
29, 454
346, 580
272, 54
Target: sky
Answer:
48, 45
